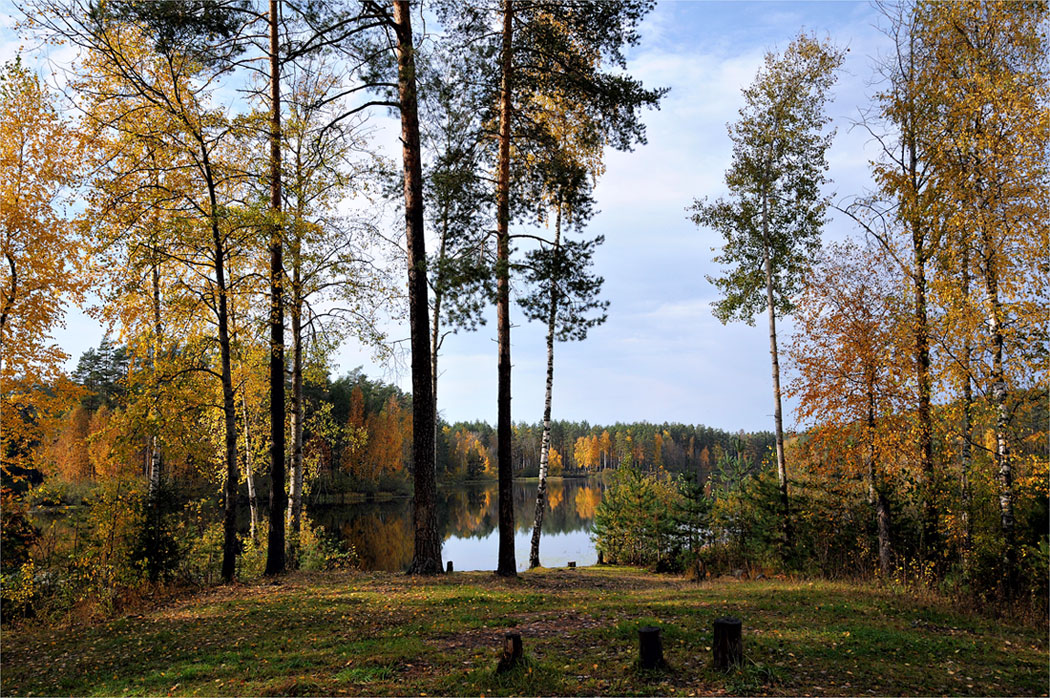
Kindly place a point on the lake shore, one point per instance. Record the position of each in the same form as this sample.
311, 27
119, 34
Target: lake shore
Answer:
374, 633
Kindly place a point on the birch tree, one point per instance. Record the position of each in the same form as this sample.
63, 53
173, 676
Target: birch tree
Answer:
987, 73
772, 220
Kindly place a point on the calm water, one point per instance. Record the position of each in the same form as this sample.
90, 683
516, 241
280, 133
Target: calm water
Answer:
381, 532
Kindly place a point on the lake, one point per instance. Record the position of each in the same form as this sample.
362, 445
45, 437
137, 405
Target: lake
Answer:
381, 532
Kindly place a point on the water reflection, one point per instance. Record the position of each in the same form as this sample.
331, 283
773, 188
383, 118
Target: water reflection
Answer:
381, 532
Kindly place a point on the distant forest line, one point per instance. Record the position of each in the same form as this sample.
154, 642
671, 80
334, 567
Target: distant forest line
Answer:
358, 437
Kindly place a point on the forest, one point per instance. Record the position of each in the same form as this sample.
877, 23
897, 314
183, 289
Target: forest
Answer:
211, 180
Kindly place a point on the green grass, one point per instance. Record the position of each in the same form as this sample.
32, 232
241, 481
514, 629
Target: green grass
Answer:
383, 634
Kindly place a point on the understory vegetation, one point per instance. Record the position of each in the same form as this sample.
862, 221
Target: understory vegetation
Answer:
731, 524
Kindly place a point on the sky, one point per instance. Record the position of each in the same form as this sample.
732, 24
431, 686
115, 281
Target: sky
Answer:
661, 356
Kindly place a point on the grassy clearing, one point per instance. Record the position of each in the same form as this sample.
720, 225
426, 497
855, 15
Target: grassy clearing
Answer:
382, 634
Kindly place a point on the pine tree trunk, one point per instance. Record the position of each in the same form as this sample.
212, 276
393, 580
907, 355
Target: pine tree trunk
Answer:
275, 553
426, 557
785, 510
545, 440
506, 565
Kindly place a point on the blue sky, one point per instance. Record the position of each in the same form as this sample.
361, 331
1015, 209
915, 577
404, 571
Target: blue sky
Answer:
661, 356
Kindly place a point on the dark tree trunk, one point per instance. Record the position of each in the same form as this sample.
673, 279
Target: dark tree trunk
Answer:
506, 565
876, 496
275, 555
229, 544
426, 558
154, 469
967, 417
928, 541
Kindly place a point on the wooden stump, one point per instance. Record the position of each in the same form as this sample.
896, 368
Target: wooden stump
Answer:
650, 648
512, 653
728, 645
448, 567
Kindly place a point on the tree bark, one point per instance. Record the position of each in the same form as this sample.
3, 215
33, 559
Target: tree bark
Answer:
230, 545
928, 540
426, 557
295, 495
1003, 465
967, 417
154, 449
506, 565
928, 532
275, 553
249, 472
435, 328
545, 440
785, 510
876, 496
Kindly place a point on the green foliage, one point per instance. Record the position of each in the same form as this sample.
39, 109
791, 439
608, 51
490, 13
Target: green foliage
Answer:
745, 523
18, 592
200, 543
635, 522
776, 211
102, 372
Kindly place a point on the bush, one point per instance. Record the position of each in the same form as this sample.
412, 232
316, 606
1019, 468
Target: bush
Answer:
154, 549
635, 522
17, 533
57, 492
318, 551
18, 592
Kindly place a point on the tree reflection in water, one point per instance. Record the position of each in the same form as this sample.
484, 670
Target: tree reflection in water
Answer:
381, 532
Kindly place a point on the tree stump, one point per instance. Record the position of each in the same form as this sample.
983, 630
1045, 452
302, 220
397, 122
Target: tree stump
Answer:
448, 567
512, 654
650, 648
728, 645
572, 564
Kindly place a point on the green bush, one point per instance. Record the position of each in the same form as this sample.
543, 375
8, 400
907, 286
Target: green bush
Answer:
635, 522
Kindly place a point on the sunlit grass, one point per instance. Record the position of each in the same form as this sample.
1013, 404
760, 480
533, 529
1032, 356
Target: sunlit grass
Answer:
382, 634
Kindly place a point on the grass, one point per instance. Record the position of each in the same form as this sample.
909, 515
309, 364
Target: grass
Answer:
383, 634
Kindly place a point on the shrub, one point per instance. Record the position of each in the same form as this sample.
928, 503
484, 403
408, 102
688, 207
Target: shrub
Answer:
17, 533
635, 525
154, 548
319, 551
